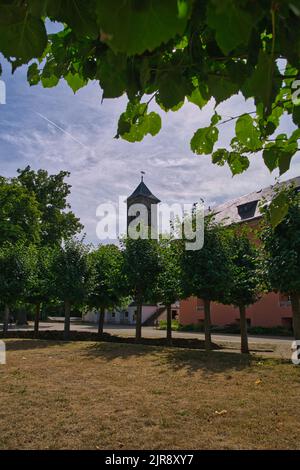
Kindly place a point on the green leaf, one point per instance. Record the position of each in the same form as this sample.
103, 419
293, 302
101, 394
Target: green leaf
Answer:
33, 74
80, 18
75, 81
221, 87
146, 124
135, 123
270, 157
262, 85
172, 89
247, 134
296, 115
112, 74
280, 153
232, 24
199, 96
220, 157
237, 163
22, 35
215, 119
136, 26
204, 140
49, 82
278, 209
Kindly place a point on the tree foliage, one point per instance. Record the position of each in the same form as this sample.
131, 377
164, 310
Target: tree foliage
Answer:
281, 248
141, 267
106, 261
57, 222
245, 281
244, 274
172, 51
107, 286
71, 276
206, 272
13, 276
169, 285
19, 214
282, 245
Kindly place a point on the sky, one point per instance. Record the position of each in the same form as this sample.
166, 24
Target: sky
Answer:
56, 130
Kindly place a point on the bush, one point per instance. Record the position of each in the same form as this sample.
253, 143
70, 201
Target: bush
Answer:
163, 325
192, 327
232, 328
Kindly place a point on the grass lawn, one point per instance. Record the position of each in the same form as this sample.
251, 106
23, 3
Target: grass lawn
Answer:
86, 395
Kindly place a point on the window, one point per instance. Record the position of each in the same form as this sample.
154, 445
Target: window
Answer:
113, 315
126, 314
247, 210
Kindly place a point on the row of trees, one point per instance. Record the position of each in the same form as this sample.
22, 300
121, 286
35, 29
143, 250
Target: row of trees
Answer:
53, 266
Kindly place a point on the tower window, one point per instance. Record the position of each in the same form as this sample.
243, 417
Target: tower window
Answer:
247, 210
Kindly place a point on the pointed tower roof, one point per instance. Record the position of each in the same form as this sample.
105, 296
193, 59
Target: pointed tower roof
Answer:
143, 191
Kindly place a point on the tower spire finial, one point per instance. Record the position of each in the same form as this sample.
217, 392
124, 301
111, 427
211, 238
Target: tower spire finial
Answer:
142, 176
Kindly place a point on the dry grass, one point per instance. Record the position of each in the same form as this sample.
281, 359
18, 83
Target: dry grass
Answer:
119, 396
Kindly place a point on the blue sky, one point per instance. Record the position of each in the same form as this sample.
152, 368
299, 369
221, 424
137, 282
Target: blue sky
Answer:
102, 168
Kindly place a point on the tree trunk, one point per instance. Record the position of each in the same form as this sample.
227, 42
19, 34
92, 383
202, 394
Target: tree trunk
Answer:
138, 326
6, 319
37, 319
243, 328
101, 322
169, 324
207, 325
67, 319
295, 301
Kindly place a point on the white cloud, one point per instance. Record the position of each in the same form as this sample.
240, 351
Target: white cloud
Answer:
102, 168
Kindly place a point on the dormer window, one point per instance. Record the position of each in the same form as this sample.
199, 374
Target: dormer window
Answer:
247, 210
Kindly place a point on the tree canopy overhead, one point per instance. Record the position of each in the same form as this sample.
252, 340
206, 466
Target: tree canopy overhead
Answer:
170, 51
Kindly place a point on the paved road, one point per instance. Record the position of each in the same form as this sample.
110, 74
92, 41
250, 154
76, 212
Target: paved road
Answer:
151, 332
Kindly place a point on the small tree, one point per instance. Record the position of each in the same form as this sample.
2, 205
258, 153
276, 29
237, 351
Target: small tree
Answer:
169, 285
19, 214
245, 281
13, 277
206, 272
281, 248
106, 263
71, 276
38, 287
140, 269
57, 222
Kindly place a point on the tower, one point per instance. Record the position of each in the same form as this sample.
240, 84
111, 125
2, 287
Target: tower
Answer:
142, 195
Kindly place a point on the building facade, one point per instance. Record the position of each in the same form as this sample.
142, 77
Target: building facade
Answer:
273, 309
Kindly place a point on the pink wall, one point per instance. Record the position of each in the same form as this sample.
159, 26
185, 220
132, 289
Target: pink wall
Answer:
268, 311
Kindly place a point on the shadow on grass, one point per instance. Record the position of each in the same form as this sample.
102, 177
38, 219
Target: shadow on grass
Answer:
56, 336
191, 360
161, 355
29, 344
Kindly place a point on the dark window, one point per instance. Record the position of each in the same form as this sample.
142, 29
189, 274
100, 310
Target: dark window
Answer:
113, 315
247, 210
126, 314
